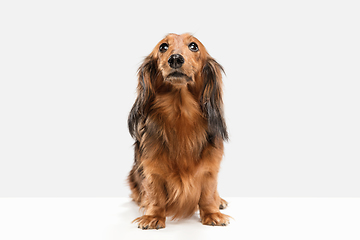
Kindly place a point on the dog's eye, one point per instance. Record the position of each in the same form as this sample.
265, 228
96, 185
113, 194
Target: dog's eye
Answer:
163, 47
193, 47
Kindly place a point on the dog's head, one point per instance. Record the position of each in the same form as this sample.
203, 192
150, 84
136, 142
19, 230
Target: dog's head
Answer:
181, 61
180, 58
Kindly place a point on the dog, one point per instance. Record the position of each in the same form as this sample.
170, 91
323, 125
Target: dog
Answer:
178, 125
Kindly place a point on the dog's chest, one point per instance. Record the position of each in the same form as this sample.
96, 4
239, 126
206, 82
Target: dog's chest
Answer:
180, 117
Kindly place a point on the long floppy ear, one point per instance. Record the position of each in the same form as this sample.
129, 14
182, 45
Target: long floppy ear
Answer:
211, 100
147, 74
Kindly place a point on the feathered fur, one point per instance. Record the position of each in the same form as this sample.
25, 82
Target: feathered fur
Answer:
178, 126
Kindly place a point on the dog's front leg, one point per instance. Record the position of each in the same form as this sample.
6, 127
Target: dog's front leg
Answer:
154, 203
209, 202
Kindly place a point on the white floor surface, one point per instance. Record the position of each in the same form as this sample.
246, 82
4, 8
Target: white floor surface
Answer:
110, 218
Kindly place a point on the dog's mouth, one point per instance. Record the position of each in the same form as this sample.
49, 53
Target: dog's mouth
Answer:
178, 78
177, 74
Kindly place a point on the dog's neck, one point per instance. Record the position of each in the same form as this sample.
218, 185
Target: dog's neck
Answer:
182, 102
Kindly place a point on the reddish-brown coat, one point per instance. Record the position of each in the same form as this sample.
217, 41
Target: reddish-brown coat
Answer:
176, 165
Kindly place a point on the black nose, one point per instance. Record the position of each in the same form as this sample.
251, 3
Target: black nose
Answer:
176, 61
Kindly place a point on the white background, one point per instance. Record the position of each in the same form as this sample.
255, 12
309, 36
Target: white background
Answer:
292, 102
110, 219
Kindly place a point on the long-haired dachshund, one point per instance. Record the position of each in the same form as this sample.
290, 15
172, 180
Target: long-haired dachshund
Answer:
178, 126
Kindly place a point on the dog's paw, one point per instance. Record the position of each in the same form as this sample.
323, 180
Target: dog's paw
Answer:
223, 204
150, 222
215, 219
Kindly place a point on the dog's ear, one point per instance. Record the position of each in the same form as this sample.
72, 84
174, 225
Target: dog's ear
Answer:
211, 99
147, 74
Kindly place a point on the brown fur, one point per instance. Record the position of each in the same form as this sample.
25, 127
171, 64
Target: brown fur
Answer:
179, 129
